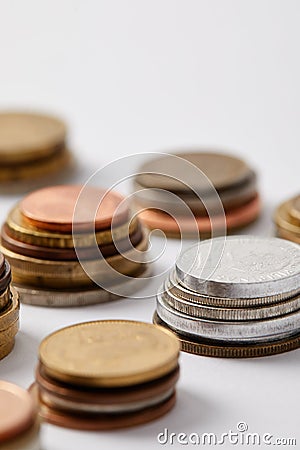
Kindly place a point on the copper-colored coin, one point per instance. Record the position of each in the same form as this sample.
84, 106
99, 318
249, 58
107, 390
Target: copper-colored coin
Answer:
105, 396
97, 422
222, 170
6, 277
205, 347
235, 218
66, 254
25, 136
53, 209
17, 412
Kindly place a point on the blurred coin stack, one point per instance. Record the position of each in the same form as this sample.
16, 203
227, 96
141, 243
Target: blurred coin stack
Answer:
51, 266
9, 309
185, 193
32, 146
19, 427
234, 297
106, 374
287, 220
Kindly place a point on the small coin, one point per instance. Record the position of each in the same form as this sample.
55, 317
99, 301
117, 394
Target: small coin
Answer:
229, 331
174, 226
109, 353
171, 171
25, 136
295, 209
53, 209
283, 218
29, 234
198, 346
11, 314
282, 233
99, 422
17, 413
6, 348
62, 254
240, 267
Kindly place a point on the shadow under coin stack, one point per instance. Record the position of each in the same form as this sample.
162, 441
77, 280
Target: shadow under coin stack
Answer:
38, 242
234, 182
19, 427
287, 220
9, 310
234, 297
32, 146
106, 374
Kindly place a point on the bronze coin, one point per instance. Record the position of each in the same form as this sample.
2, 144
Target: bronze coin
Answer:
6, 278
105, 395
168, 172
235, 218
68, 254
17, 413
52, 209
2, 264
98, 422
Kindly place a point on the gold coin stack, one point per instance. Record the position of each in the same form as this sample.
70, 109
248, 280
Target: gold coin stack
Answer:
287, 219
32, 146
51, 266
9, 310
106, 374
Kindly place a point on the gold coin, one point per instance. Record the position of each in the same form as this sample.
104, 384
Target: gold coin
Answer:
11, 313
287, 235
109, 353
9, 334
4, 299
37, 169
203, 348
25, 137
283, 218
295, 209
6, 348
33, 236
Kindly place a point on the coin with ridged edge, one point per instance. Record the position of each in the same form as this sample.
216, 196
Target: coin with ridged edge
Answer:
109, 353
209, 348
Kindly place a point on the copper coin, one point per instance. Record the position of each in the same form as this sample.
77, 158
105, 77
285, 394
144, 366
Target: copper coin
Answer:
105, 395
17, 412
5, 278
98, 422
68, 254
53, 208
2, 264
171, 173
26, 136
236, 218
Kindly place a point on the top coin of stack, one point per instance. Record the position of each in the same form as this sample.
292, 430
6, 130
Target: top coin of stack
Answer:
106, 374
175, 185
31, 146
234, 297
287, 220
38, 242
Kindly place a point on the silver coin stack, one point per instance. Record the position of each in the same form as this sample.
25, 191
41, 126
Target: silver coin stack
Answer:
234, 297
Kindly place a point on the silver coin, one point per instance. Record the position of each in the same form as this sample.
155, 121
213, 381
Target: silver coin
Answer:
255, 330
230, 314
173, 285
81, 297
71, 405
241, 267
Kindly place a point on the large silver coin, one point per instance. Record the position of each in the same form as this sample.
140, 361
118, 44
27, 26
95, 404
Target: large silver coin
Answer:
254, 331
241, 267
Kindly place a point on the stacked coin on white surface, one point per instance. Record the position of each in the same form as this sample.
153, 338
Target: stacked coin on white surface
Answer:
234, 297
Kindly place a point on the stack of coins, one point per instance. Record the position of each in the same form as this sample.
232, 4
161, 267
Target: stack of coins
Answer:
238, 297
9, 310
171, 187
51, 266
287, 220
106, 374
31, 146
19, 427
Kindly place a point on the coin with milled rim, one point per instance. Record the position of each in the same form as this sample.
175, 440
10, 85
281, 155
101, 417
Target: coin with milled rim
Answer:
240, 267
109, 353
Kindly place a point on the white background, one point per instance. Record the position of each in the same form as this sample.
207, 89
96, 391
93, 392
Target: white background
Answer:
136, 76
